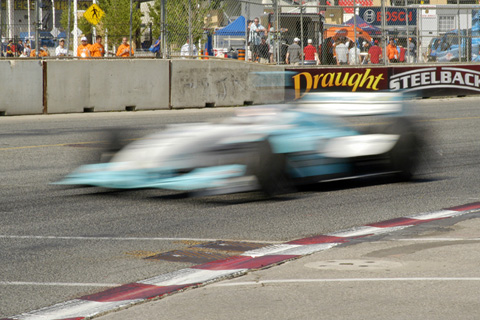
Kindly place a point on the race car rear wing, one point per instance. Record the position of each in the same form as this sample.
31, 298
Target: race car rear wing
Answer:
353, 104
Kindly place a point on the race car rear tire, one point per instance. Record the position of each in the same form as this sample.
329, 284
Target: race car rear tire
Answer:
404, 156
114, 143
270, 170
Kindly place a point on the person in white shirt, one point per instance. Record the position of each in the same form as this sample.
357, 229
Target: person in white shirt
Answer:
61, 51
185, 51
353, 54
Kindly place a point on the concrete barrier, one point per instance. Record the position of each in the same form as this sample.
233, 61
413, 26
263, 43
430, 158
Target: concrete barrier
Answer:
21, 90
200, 83
106, 85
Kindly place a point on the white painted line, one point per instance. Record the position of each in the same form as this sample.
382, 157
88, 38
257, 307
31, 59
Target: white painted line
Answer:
437, 215
59, 284
360, 231
270, 250
438, 239
190, 276
254, 283
6, 236
309, 249
73, 309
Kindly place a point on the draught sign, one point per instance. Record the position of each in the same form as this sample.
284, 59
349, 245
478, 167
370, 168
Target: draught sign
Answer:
94, 14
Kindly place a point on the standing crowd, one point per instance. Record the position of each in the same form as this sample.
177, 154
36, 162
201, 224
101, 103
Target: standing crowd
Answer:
84, 49
337, 51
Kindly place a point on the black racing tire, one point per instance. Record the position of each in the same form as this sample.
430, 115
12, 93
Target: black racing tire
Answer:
270, 170
404, 156
114, 142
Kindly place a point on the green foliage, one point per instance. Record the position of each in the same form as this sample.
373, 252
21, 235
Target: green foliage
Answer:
83, 24
177, 19
117, 19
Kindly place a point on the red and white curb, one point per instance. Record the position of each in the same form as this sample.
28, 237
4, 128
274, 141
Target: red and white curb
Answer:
133, 293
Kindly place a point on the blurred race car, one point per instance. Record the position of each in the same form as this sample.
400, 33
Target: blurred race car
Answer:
272, 148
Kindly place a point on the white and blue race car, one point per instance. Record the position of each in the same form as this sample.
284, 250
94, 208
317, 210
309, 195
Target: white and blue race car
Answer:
272, 148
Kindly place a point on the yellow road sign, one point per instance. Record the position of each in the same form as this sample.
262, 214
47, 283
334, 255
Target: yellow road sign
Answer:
94, 14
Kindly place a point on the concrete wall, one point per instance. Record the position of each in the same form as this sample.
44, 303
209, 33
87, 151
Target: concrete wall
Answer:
70, 86
21, 87
197, 83
106, 85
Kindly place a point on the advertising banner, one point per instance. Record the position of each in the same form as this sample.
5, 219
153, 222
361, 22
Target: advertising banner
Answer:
337, 79
395, 16
428, 81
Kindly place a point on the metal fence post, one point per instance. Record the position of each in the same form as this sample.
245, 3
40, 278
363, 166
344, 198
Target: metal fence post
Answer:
68, 28
162, 30
37, 24
384, 36
131, 21
301, 30
355, 30
1, 26
277, 34
190, 38
458, 33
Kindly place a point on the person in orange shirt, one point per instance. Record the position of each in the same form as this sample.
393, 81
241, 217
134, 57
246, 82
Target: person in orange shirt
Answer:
43, 52
97, 50
83, 50
392, 52
124, 49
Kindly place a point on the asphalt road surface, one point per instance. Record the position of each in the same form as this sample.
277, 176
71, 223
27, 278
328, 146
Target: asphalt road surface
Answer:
58, 244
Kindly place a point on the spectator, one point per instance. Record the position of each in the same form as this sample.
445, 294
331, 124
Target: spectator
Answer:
83, 50
264, 51
20, 47
271, 43
401, 53
341, 51
156, 47
294, 53
392, 52
185, 51
61, 51
375, 53
353, 54
10, 49
257, 31
412, 51
42, 53
97, 50
27, 50
310, 52
329, 48
364, 52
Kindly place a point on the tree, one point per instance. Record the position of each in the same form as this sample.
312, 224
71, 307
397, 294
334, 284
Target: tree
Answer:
117, 18
83, 24
177, 16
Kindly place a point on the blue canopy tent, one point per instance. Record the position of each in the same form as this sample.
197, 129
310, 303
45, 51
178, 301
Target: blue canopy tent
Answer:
234, 29
231, 36
362, 24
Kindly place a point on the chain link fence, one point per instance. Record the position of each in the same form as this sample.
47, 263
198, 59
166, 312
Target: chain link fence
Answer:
326, 32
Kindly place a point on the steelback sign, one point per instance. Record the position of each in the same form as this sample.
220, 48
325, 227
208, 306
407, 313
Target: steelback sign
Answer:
427, 81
